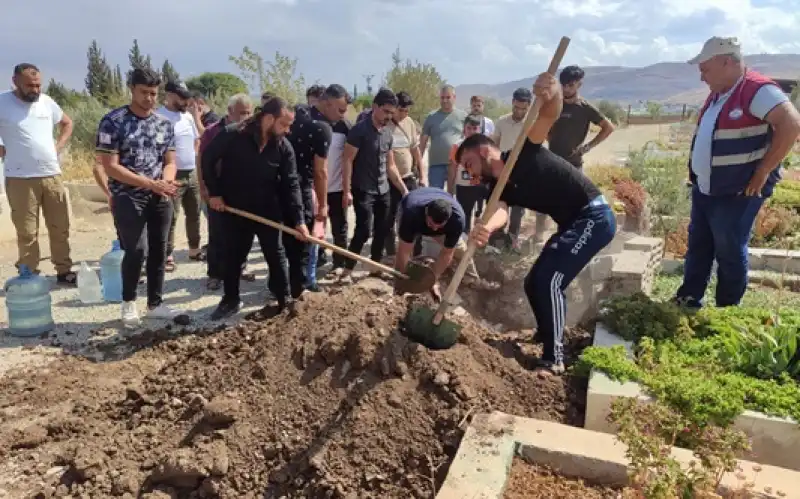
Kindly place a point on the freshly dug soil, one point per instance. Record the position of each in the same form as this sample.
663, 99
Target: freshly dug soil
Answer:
333, 403
531, 481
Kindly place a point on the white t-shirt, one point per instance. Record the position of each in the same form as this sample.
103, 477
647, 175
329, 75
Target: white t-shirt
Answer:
185, 136
763, 102
26, 131
506, 131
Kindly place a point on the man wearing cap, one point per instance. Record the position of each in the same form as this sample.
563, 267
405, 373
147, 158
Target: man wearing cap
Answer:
187, 140
745, 129
432, 212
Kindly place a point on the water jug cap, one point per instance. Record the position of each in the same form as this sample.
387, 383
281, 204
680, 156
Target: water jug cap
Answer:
115, 246
24, 270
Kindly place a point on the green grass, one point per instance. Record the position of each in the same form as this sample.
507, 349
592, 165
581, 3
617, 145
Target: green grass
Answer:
665, 286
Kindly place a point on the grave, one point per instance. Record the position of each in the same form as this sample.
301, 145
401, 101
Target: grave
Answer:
483, 461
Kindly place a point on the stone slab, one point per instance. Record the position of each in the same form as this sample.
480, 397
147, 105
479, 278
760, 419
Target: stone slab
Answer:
481, 466
774, 440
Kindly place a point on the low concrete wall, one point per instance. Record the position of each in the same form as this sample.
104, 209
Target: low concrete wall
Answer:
88, 192
774, 440
482, 464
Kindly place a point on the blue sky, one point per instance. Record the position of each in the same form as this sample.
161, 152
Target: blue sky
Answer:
469, 41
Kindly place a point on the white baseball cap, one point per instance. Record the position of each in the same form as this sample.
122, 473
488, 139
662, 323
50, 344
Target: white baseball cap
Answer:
717, 46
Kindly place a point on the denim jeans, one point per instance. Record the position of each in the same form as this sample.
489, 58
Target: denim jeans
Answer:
437, 176
719, 229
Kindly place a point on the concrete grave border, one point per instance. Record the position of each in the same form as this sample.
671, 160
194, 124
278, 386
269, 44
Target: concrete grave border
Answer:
774, 441
769, 259
481, 467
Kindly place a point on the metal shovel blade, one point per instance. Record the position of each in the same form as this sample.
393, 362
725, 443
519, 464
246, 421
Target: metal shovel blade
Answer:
420, 328
420, 279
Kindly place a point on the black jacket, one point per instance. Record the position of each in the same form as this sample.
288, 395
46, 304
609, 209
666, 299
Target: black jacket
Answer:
264, 183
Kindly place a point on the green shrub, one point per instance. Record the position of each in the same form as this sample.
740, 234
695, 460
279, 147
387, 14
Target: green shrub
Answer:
787, 195
85, 117
664, 179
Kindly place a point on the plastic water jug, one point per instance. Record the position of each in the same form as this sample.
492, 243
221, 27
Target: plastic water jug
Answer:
89, 290
111, 273
28, 303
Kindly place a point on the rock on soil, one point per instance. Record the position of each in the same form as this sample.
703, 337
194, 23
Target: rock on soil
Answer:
335, 403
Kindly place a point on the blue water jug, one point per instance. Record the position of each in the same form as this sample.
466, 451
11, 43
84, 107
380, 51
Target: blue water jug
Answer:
111, 273
29, 304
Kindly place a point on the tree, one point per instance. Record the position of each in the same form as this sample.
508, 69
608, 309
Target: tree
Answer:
612, 111
137, 59
65, 97
654, 109
119, 84
224, 84
422, 81
98, 79
168, 72
277, 76
493, 108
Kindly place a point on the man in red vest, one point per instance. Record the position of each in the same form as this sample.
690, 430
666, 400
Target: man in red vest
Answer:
745, 129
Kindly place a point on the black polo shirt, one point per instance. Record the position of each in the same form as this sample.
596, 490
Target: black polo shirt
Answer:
546, 183
369, 165
310, 136
262, 182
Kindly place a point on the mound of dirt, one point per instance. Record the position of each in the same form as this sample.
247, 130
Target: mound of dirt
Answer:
335, 403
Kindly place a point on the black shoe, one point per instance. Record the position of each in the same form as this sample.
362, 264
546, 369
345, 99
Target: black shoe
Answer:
226, 309
687, 302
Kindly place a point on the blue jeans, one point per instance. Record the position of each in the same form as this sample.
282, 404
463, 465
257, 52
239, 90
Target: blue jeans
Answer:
566, 253
437, 176
719, 229
311, 269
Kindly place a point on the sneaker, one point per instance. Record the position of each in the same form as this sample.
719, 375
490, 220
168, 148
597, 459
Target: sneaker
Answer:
162, 312
549, 367
130, 317
225, 310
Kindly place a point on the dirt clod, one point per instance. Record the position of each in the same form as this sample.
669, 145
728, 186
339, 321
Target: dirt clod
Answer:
334, 403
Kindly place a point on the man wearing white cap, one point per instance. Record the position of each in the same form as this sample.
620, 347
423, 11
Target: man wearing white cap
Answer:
745, 129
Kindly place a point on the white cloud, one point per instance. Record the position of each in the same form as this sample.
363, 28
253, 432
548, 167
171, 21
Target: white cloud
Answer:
467, 40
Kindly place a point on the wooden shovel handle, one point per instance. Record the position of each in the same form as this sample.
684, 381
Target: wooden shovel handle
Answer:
494, 199
325, 244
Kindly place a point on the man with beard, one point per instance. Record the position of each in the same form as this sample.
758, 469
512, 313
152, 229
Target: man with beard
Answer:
258, 174
240, 108
32, 170
476, 104
368, 168
137, 149
568, 135
187, 139
546, 183
310, 136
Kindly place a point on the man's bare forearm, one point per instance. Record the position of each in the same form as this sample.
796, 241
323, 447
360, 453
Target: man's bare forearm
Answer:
417, 157
64, 133
101, 178
170, 167
321, 185
602, 135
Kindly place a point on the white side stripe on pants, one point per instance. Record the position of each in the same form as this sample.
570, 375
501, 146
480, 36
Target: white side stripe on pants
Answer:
559, 311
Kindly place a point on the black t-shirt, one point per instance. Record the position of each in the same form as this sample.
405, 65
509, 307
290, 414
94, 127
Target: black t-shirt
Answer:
412, 217
310, 136
369, 165
546, 183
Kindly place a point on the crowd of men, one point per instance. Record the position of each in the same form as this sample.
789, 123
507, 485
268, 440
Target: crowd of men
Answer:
306, 165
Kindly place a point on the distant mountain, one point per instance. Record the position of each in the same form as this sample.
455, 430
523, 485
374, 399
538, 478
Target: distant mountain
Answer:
669, 82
